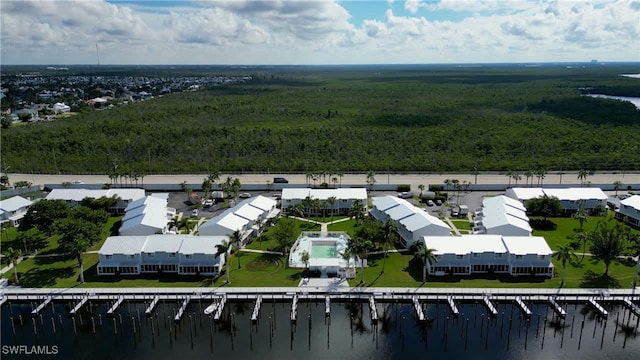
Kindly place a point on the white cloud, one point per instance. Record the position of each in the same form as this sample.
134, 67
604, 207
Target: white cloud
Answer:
288, 31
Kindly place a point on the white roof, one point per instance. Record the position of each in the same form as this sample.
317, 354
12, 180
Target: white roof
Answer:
501, 210
400, 212
567, 194
248, 212
128, 245
524, 193
633, 201
263, 203
502, 200
324, 194
575, 194
223, 224
465, 244
201, 244
383, 203
163, 243
14, 203
421, 219
79, 194
523, 245
147, 201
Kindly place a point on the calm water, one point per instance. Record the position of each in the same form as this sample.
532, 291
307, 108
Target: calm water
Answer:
634, 100
349, 332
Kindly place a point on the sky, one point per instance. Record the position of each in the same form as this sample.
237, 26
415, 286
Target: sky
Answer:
312, 32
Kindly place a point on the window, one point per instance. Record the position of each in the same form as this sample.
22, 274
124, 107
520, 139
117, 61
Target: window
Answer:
132, 256
476, 254
519, 257
498, 255
188, 256
459, 257
172, 255
108, 256
542, 257
150, 255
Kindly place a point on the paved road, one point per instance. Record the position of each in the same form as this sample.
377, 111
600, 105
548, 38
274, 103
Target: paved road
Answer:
413, 179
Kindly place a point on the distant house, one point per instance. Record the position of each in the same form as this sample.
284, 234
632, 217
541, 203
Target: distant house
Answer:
412, 222
157, 254
502, 215
146, 216
629, 211
242, 217
61, 108
570, 198
12, 210
345, 198
75, 196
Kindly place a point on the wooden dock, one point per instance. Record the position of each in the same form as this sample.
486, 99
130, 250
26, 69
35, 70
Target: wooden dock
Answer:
256, 309
294, 308
43, 305
490, 306
220, 309
154, 302
598, 308
523, 307
373, 310
418, 308
327, 306
79, 305
452, 306
115, 306
183, 307
557, 308
631, 306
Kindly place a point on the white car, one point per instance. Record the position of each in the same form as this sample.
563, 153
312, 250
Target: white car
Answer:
195, 213
208, 203
244, 195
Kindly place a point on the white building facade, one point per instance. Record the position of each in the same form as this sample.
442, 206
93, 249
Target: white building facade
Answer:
571, 199
412, 222
502, 215
157, 254
344, 199
13, 209
629, 211
490, 254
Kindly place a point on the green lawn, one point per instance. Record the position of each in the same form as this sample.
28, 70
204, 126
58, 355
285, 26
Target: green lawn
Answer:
462, 224
348, 226
269, 270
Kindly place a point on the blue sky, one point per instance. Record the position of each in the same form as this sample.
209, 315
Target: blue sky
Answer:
318, 31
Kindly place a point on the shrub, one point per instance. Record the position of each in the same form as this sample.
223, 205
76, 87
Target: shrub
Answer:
404, 187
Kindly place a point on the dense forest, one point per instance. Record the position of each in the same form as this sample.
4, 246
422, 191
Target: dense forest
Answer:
402, 118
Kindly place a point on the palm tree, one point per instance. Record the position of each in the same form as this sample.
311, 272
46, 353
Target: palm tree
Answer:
360, 246
510, 176
529, 175
564, 254
307, 202
582, 217
616, 186
213, 176
340, 175
582, 176
371, 179
334, 180
223, 248
296, 210
332, 202
421, 188
346, 256
607, 243
78, 248
305, 258
356, 211
14, 255
427, 257
388, 238
206, 187
235, 239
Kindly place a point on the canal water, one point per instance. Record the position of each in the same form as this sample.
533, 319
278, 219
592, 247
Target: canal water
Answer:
347, 334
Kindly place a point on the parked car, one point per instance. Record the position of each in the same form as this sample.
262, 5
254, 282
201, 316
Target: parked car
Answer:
244, 195
454, 212
195, 213
208, 203
405, 195
438, 202
280, 180
430, 203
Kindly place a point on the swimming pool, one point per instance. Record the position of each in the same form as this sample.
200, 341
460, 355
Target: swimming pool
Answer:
323, 251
